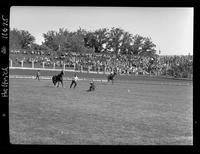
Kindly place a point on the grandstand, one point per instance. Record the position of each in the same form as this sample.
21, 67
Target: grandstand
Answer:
168, 66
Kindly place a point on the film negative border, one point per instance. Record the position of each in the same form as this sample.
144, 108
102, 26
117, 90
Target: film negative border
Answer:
4, 60
4, 75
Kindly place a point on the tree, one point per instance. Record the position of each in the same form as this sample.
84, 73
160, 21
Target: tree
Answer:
27, 39
76, 44
148, 48
14, 39
58, 42
119, 42
89, 40
20, 39
145, 49
50, 40
137, 44
114, 41
101, 38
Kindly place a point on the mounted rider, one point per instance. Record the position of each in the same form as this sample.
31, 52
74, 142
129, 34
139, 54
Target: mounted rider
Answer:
111, 76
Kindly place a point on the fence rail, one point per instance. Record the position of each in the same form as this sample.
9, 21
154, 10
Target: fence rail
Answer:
50, 77
88, 74
98, 71
55, 68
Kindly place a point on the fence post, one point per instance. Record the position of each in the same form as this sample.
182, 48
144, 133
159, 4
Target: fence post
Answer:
74, 66
22, 63
81, 69
105, 69
32, 64
10, 62
54, 65
64, 66
43, 64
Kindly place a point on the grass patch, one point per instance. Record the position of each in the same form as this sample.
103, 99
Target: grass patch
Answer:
147, 114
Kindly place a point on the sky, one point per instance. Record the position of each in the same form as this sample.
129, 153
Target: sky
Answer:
170, 28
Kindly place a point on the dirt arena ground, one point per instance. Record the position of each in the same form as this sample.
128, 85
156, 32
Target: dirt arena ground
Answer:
139, 112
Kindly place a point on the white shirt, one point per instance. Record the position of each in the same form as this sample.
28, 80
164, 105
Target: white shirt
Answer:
75, 78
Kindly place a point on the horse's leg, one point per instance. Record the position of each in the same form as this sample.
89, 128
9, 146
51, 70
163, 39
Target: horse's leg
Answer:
58, 84
53, 81
62, 82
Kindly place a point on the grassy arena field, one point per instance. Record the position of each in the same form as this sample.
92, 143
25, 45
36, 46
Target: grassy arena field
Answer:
126, 113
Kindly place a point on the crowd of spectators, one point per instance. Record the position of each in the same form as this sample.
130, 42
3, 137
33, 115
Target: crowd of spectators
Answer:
163, 65
178, 66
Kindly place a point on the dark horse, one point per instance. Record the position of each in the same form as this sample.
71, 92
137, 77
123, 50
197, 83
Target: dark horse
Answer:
58, 78
111, 77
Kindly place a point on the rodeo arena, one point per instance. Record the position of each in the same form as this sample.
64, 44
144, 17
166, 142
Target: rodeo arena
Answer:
111, 102
66, 97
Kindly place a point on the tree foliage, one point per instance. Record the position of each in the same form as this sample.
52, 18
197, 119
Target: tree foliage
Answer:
20, 39
115, 41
